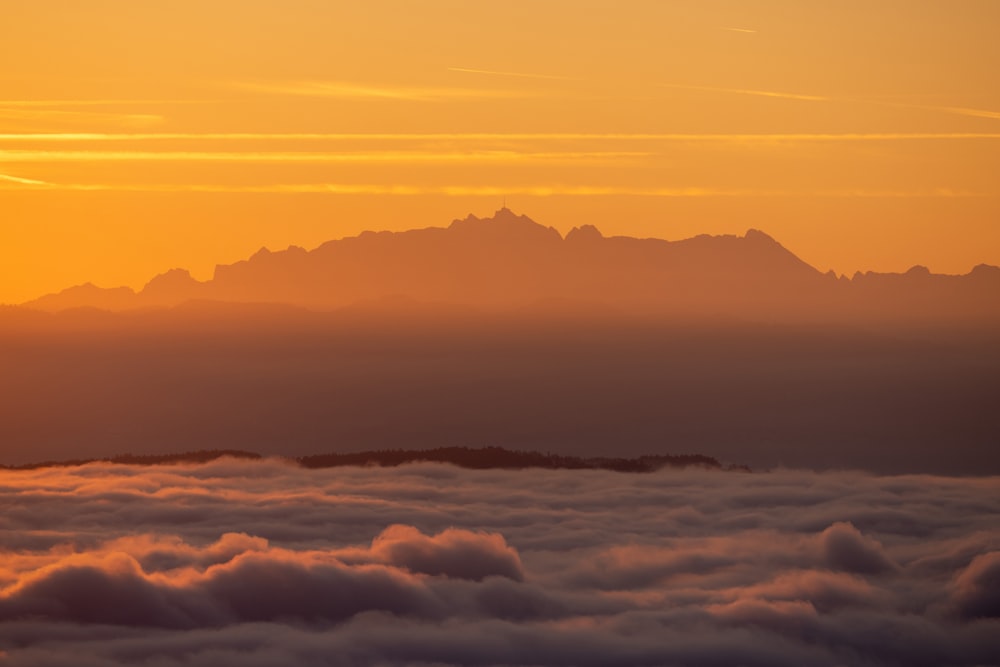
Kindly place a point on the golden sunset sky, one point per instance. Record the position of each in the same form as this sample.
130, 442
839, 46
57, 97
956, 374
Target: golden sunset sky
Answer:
140, 136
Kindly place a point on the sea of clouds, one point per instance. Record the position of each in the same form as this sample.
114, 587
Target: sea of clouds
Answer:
263, 563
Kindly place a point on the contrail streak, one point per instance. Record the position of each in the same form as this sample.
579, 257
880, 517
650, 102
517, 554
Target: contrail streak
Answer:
742, 91
22, 181
523, 75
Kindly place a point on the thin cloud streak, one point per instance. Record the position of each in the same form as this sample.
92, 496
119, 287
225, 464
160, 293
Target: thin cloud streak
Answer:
522, 75
744, 30
958, 111
62, 115
742, 91
500, 136
976, 113
96, 103
346, 90
250, 156
24, 181
488, 191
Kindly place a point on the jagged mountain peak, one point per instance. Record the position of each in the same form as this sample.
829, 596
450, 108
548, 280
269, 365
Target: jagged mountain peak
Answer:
170, 279
504, 222
759, 236
585, 233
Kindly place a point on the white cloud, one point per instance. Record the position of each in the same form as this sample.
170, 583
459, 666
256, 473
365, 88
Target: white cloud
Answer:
265, 563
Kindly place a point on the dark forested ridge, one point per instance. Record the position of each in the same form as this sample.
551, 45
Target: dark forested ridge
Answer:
499, 457
201, 456
485, 458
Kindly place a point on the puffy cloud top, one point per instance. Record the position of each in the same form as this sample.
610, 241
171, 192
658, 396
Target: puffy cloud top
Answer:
260, 563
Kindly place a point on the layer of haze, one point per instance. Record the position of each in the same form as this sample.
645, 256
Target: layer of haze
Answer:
277, 380
499, 331
135, 137
261, 563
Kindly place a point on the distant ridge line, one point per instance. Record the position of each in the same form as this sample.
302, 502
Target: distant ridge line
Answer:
485, 458
509, 261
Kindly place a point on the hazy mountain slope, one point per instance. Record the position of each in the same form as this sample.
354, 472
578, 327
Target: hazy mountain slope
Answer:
509, 261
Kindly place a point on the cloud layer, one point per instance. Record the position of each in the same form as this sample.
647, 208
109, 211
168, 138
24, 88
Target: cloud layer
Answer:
261, 563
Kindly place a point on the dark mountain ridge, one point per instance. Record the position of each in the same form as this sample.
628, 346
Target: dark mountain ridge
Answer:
509, 261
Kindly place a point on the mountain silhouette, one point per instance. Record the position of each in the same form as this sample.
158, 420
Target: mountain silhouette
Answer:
510, 261
500, 332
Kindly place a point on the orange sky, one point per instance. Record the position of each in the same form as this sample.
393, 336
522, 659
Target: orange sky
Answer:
140, 136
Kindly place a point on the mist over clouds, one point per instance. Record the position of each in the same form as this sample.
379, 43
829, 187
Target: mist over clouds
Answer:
262, 563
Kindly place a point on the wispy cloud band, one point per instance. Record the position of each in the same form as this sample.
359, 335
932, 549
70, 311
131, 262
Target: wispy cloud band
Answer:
22, 181
94, 103
520, 75
33, 114
256, 156
500, 136
744, 91
348, 90
975, 113
556, 190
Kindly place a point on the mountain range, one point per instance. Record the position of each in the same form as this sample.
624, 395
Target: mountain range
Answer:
509, 261
500, 332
